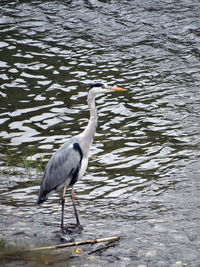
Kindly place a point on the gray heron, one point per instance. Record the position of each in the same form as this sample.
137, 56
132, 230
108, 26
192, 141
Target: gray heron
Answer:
68, 164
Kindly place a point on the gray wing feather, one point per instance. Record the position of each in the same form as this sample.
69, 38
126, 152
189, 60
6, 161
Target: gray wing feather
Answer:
59, 170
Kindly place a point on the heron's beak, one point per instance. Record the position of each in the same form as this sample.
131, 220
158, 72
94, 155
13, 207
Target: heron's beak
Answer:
117, 89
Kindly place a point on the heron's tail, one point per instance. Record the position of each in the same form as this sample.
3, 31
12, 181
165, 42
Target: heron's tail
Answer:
40, 200
43, 195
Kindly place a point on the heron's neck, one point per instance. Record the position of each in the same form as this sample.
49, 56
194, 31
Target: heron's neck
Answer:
88, 134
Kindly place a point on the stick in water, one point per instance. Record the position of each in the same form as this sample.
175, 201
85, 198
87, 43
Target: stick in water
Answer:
78, 243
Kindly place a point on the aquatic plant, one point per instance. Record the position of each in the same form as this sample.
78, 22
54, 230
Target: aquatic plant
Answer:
31, 166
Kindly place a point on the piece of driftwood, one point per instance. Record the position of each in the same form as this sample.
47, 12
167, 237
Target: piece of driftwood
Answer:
109, 245
78, 243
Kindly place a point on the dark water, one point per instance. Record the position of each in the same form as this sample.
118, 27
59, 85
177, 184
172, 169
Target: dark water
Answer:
142, 182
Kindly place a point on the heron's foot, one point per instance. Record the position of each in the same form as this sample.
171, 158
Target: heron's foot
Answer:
66, 237
72, 228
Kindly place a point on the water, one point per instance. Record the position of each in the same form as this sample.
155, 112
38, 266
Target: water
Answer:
142, 182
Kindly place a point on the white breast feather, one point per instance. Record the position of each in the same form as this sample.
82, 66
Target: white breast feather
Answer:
83, 167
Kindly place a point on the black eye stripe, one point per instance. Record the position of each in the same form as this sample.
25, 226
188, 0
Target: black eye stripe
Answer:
96, 85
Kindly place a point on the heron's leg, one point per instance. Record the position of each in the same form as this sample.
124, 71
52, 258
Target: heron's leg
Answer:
63, 205
75, 210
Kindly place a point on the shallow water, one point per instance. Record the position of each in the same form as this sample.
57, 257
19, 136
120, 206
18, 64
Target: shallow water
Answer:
142, 182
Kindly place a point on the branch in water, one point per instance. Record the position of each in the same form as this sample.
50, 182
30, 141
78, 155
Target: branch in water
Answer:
78, 243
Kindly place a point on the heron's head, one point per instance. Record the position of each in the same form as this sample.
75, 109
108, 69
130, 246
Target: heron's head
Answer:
101, 87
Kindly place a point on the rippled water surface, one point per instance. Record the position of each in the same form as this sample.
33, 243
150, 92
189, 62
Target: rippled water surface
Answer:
142, 182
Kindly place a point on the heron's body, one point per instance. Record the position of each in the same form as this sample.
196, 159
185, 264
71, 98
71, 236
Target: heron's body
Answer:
68, 164
63, 169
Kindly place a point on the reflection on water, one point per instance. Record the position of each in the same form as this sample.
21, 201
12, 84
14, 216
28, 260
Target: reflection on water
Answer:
144, 165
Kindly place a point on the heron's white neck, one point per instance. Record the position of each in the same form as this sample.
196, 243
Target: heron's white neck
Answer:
86, 137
